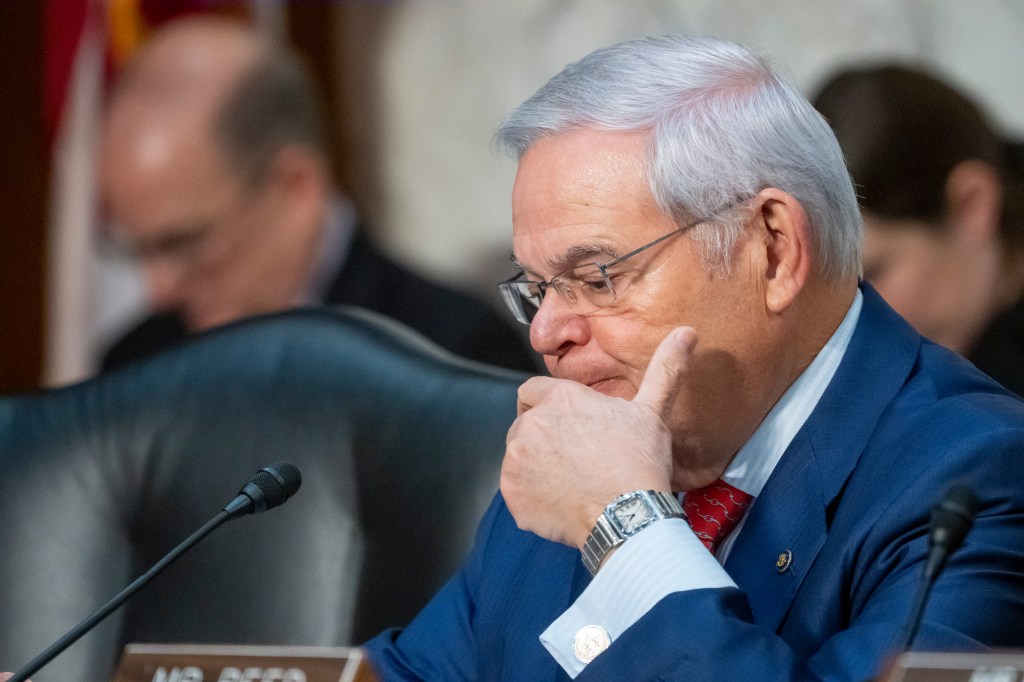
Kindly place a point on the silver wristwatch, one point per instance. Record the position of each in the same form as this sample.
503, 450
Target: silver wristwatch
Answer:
624, 517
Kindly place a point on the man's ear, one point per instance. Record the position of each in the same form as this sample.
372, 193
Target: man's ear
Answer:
787, 242
974, 199
302, 180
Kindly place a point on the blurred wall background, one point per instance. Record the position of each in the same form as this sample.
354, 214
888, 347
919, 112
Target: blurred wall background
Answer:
415, 89
450, 70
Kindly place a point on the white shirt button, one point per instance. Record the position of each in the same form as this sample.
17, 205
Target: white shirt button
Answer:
590, 641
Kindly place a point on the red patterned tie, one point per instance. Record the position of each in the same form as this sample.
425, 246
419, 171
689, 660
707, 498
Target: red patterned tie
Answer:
714, 510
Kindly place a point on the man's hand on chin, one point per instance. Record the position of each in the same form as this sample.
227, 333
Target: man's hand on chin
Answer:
573, 450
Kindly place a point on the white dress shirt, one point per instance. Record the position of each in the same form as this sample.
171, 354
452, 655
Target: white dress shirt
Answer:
331, 252
644, 569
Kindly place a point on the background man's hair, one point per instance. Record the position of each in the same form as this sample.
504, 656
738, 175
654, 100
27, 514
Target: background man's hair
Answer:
274, 104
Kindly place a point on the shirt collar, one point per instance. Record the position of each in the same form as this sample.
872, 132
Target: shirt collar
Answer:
332, 250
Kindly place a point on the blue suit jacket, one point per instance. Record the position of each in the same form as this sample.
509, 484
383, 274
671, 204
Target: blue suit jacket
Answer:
850, 499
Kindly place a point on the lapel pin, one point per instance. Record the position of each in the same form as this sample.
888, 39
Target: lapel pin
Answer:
784, 561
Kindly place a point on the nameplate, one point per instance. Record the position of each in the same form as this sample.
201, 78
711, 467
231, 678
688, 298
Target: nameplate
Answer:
230, 663
921, 666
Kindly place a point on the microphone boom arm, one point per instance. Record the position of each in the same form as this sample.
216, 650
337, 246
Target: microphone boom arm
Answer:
269, 488
124, 595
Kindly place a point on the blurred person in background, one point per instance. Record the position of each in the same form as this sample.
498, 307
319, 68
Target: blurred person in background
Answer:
215, 176
943, 200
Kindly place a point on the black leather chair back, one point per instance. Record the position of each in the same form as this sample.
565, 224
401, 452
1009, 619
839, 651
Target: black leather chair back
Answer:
399, 444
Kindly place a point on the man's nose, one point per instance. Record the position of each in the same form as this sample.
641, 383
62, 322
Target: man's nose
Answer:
166, 282
556, 327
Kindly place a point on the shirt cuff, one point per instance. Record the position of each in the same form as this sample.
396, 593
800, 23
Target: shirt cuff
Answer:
663, 558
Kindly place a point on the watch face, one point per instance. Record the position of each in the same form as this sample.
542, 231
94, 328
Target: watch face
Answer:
632, 514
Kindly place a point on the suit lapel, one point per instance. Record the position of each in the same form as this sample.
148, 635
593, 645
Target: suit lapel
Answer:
783, 533
788, 524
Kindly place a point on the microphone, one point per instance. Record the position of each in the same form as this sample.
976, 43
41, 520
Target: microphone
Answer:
270, 487
952, 518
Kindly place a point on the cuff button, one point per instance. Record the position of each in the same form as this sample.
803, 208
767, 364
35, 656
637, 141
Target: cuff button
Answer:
590, 641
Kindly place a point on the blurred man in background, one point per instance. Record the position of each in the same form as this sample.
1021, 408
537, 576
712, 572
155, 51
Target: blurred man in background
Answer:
215, 176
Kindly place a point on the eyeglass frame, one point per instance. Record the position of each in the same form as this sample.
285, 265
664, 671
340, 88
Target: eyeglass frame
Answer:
184, 247
505, 288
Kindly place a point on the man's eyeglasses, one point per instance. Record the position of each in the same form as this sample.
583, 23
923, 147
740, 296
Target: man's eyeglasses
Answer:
191, 242
585, 288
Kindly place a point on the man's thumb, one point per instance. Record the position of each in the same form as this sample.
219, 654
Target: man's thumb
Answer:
664, 376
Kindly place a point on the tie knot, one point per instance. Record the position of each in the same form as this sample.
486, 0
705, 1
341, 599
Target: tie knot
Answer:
714, 510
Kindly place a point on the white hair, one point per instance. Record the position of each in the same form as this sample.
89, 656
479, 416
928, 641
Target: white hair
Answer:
723, 125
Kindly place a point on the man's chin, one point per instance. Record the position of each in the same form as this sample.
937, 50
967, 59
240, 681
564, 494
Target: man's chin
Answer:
201, 322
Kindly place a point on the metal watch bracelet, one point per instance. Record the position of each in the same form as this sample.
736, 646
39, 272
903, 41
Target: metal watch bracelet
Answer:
607, 535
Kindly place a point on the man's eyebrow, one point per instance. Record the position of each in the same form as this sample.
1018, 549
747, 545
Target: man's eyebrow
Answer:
574, 254
571, 256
